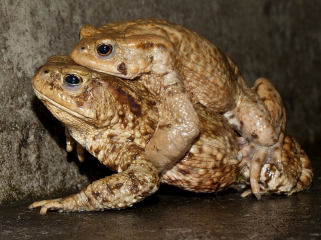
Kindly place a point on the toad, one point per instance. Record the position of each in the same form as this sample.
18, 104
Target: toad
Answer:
114, 120
180, 69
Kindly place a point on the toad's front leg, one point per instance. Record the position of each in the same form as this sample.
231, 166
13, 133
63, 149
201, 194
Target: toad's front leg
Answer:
114, 192
261, 120
272, 100
177, 128
296, 174
70, 142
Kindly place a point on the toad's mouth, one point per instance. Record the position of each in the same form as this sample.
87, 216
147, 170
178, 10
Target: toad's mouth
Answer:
44, 98
105, 71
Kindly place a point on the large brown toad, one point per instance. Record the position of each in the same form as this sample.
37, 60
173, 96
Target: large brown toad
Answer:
114, 120
181, 68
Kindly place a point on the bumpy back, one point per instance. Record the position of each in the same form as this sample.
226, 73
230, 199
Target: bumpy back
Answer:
209, 75
208, 72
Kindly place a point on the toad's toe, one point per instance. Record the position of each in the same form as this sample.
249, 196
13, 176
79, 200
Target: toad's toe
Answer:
47, 205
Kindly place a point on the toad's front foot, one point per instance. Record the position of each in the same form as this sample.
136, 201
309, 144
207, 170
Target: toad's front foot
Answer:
117, 191
70, 142
255, 157
260, 118
296, 174
54, 204
77, 202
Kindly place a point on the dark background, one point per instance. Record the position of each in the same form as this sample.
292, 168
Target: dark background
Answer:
278, 40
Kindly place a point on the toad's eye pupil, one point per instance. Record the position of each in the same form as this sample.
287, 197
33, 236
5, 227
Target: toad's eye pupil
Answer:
72, 79
104, 49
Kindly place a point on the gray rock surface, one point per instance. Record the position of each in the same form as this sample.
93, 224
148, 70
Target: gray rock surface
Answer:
279, 40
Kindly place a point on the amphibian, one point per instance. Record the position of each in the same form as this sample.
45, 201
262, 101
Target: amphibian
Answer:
114, 120
181, 68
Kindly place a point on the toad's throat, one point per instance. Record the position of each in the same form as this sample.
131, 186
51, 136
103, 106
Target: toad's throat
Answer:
43, 97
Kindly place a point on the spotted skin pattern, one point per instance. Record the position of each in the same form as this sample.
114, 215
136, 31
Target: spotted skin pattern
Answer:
181, 68
115, 119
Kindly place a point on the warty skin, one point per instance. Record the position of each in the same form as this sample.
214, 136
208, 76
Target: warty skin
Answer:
114, 120
181, 68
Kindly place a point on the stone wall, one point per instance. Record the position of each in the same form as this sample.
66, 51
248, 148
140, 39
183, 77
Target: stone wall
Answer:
279, 40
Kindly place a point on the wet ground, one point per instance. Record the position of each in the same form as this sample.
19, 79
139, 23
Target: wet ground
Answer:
176, 214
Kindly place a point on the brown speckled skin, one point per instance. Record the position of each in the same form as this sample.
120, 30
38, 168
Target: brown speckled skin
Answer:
180, 68
114, 119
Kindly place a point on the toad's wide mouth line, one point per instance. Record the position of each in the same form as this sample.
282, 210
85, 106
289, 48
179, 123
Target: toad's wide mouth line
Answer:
92, 67
43, 97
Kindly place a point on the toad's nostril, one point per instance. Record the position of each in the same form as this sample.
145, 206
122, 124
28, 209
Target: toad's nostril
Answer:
46, 71
83, 48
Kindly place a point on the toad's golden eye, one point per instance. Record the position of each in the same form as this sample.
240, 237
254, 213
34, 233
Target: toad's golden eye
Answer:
104, 49
72, 80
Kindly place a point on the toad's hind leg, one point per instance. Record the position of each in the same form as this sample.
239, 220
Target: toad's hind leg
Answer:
260, 118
